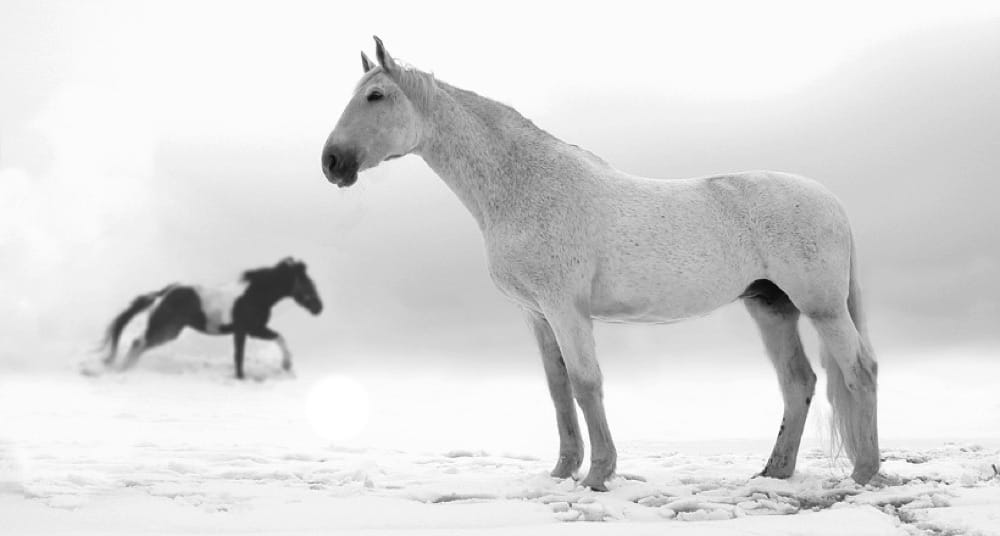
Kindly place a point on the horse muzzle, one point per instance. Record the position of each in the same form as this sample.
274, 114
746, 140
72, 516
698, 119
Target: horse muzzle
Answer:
340, 165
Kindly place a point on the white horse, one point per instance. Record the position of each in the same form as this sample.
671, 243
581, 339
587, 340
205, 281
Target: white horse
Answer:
571, 239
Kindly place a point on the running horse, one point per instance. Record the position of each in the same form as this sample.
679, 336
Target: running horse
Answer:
571, 239
217, 311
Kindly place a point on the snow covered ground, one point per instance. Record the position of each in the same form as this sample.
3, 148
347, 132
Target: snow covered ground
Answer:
178, 447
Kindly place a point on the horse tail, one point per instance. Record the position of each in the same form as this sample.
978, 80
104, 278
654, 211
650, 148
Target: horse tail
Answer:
138, 305
854, 300
854, 414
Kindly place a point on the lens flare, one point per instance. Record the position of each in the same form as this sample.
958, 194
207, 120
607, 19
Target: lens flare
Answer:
336, 408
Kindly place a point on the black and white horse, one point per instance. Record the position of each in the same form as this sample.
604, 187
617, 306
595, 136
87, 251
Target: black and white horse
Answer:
241, 312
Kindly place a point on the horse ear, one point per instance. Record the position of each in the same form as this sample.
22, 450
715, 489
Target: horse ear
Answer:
293, 263
384, 59
366, 63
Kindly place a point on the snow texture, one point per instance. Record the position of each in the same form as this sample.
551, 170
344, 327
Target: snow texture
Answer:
176, 453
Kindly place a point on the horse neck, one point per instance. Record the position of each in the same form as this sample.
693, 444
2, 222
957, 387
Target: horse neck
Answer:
266, 291
482, 149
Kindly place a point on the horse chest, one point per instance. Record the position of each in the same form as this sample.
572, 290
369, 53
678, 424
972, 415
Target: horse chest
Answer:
530, 271
512, 284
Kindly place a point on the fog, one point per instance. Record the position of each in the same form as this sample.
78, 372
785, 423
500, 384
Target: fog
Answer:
146, 144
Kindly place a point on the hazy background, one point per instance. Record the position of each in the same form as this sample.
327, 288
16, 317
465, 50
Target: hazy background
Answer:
143, 143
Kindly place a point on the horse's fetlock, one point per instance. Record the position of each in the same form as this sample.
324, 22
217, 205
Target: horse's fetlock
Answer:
604, 460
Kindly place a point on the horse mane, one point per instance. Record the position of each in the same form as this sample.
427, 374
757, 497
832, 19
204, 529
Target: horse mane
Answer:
492, 112
259, 275
420, 88
418, 85
268, 284
278, 276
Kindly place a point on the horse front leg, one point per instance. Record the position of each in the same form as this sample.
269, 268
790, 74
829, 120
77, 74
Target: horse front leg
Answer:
269, 334
570, 441
286, 355
239, 343
573, 329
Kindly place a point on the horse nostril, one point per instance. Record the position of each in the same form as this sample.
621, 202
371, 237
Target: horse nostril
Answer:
340, 165
329, 161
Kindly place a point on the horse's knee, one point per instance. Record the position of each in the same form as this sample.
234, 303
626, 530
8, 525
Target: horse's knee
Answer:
584, 375
586, 386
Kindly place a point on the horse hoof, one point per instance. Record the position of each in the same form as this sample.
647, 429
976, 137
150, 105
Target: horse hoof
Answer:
596, 484
560, 472
882, 480
566, 466
864, 473
91, 372
775, 473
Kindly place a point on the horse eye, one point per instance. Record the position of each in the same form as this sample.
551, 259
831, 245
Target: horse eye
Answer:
374, 96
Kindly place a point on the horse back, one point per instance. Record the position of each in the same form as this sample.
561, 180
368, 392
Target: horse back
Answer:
673, 249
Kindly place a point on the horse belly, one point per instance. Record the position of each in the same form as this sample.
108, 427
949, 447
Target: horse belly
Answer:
217, 304
669, 299
662, 275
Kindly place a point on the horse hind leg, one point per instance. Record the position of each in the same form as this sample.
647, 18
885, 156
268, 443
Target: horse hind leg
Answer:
159, 331
134, 351
109, 357
777, 319
852, 389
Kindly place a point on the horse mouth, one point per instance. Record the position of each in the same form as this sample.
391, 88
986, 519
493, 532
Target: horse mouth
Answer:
344, 182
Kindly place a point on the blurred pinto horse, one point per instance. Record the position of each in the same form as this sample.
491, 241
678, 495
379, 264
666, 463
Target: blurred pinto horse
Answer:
215, 311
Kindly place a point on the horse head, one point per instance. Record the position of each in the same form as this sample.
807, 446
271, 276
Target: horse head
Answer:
303, 290
380, 122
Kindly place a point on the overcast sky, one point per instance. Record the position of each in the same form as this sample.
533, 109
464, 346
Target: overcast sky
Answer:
145, 143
